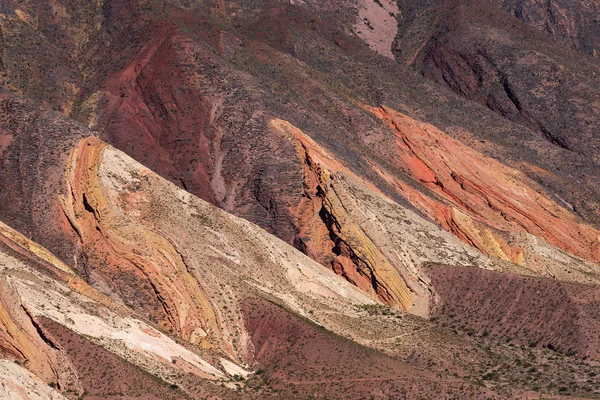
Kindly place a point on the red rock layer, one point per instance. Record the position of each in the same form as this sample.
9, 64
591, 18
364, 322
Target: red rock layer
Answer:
155, 114
25, 341
329, 235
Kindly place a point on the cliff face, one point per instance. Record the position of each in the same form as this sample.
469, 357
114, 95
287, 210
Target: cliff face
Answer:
197, 191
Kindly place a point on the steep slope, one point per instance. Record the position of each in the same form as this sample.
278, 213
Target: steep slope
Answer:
196, 267
44, 286
479, 189
177, 259
139, 102
18, 383
78, 322
497, 210
229, 264
483, 216
240, 73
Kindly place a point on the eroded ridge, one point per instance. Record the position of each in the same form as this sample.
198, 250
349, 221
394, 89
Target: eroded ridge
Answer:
129, 260
331, 236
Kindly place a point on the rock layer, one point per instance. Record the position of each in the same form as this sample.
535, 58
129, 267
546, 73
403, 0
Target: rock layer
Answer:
479, 191
296, 117
330, 234
171, 296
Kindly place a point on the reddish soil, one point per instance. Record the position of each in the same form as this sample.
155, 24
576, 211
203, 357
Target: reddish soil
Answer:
300, 360
536, 312
105, 375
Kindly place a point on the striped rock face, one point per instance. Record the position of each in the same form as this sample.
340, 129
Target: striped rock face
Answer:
299, 199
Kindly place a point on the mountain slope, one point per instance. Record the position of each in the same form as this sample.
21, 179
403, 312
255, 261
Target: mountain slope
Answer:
235, 199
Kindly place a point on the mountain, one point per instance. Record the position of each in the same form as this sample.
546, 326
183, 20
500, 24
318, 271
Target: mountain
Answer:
303, 199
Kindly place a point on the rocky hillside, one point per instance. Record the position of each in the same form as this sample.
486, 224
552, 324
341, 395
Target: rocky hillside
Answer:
299, 199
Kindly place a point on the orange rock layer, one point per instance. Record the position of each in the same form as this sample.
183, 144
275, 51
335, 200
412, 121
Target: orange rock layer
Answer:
330, 236
479, 195
23, 340
130, 261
